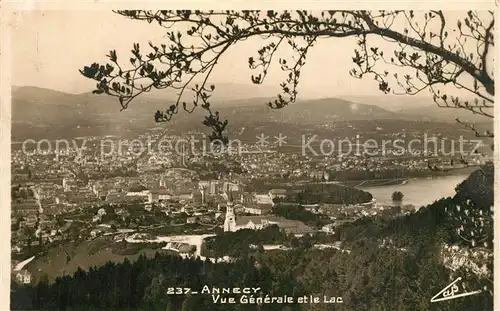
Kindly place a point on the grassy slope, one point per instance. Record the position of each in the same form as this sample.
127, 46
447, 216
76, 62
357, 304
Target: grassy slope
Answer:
85, 255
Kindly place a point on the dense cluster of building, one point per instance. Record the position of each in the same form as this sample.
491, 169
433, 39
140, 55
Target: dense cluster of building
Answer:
54, 190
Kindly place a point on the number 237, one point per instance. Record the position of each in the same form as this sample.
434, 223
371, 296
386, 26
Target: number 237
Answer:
178, 290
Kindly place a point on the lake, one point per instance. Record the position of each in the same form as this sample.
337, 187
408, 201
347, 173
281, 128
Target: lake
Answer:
420, 191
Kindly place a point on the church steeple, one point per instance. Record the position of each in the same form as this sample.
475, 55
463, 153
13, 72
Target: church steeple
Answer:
230, 222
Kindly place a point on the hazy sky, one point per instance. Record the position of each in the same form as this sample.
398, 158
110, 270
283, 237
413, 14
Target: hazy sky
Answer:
50, 46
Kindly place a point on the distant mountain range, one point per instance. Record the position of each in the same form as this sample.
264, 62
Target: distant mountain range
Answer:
39, 112
418, 106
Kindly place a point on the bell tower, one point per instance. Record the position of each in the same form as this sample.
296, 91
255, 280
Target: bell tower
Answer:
230, 222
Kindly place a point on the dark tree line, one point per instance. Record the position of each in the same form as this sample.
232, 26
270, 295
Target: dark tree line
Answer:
328, 194
369, 278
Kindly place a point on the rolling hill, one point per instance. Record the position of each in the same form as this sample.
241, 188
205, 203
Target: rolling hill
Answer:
420, 107
38, 112
41, 113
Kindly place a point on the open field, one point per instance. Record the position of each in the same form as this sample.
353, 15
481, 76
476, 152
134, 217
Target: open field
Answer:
85, 255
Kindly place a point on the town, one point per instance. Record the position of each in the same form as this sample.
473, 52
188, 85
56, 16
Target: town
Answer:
76, 194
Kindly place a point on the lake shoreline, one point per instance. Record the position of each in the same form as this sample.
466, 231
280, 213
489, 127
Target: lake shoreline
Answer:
382, 182
418, 191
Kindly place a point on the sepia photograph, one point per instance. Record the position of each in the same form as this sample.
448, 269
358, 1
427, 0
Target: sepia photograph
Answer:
305, 160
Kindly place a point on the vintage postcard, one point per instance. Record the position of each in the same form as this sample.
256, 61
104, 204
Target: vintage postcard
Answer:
281, 157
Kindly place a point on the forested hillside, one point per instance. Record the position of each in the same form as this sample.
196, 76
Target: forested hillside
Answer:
393, 264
